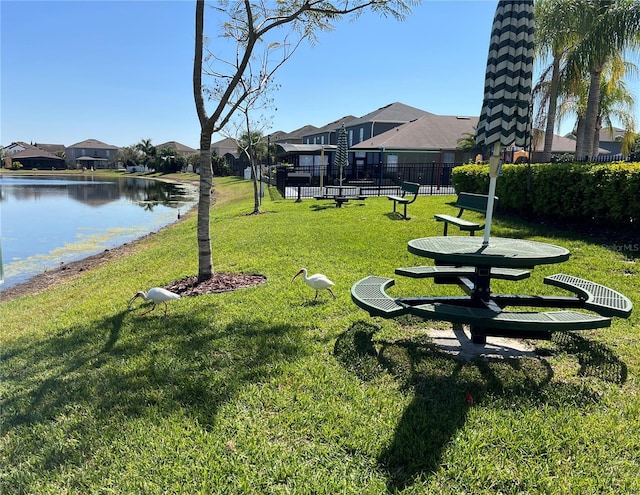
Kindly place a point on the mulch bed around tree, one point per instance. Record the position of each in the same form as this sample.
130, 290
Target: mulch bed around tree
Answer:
220, 282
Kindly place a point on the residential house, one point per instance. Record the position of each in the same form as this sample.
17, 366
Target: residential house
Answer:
428, 139
317, 145
15, 147
227, 148
91, 153
35, 158
611, 140
434, 139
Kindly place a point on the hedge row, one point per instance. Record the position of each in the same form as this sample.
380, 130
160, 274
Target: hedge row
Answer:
602, 193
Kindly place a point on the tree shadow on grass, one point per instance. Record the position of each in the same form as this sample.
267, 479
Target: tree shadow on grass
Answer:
85, 383
445, 388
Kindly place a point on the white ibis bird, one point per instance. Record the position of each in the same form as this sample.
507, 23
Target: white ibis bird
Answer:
157, 295
317, 282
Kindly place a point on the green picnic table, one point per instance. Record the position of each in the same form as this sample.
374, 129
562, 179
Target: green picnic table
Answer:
467, 262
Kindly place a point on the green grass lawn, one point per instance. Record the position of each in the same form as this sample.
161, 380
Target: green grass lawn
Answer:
264, 391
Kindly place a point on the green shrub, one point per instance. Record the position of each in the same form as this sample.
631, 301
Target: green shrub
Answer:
599, 193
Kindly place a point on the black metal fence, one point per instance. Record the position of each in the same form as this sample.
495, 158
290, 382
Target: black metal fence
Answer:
306, 182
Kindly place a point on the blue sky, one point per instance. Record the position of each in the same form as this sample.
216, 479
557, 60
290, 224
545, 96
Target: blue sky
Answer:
121, 71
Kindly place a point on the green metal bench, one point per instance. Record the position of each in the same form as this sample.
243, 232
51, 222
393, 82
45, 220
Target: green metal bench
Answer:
453, 272
465, 201
406, 189
598, 298
341, 194
369, 294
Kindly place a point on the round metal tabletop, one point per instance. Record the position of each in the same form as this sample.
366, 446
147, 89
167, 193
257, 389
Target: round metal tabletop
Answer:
500, 252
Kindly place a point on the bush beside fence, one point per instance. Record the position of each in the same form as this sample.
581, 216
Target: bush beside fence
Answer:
597, 193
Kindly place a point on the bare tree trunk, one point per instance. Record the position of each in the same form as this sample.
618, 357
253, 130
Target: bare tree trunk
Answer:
205, 263
256, 192
551, 112
593, 104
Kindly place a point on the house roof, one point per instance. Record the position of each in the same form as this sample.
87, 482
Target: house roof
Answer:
564, 144
391, 113
225, 146
293, 148
428, 133
93, 144
179, 147
51, 148
90, 159
274, 136
335, 125
606, 134
295, 135
16, 146
561, 144
441, 132
33, 152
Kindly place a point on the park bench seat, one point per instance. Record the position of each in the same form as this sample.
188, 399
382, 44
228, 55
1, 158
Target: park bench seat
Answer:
369, 294
597, 297
408, 194
547, 321
465, 201
445, 272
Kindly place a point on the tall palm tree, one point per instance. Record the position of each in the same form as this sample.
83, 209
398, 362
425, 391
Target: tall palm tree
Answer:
149, 151
555, 36
616, 101
607, 28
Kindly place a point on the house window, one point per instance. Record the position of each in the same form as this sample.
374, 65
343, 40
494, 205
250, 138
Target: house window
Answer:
361, 134
322, 139
350, 138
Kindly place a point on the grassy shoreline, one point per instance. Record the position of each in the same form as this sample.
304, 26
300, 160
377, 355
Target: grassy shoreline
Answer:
264, 391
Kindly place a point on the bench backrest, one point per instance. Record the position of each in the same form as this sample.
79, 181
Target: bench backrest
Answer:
474, 202
410, 187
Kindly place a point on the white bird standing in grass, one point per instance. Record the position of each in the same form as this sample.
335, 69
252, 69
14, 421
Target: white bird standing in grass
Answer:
157, 294
317, 282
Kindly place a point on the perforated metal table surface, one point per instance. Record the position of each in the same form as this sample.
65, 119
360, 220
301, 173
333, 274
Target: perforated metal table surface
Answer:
500, 252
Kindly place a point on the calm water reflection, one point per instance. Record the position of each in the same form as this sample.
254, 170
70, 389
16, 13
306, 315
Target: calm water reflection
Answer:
48, 220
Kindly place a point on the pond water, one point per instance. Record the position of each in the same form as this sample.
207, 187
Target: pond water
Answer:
47, 220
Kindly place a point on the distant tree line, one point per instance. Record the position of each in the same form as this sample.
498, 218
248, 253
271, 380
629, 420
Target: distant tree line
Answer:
165, 160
